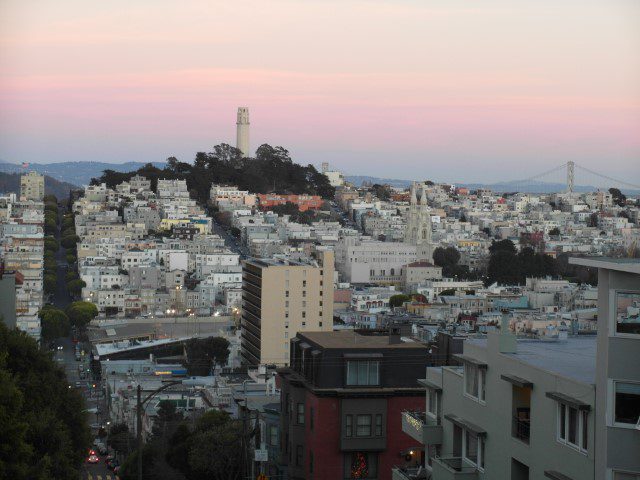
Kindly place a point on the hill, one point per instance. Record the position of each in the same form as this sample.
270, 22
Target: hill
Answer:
272, 170
500, 187
77, 173
10, 182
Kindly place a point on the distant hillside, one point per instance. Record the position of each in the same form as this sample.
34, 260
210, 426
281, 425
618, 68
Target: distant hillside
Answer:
10, 183
77, 173
531, 187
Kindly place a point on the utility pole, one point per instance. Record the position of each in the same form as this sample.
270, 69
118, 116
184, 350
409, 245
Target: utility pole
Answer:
139, 430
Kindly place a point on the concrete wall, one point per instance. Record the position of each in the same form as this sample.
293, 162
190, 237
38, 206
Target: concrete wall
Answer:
618, 357
543, 452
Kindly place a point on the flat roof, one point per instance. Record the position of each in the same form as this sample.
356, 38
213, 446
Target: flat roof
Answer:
630, 265
349, 339
574, 358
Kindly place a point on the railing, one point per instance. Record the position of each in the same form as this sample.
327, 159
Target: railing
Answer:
521, 429
411, 473
451, 468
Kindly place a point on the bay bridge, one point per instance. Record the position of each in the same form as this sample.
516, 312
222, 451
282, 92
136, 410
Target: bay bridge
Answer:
571, 177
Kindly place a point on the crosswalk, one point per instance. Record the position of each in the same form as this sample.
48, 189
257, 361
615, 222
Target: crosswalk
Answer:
100, 477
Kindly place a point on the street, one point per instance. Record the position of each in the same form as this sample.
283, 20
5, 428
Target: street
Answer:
230, 241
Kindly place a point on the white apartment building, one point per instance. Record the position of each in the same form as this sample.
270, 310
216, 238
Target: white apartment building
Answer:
370, 261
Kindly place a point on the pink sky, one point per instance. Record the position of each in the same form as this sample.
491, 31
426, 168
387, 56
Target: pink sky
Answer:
450, 90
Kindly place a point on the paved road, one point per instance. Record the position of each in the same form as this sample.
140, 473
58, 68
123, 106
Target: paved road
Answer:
230, 241
61, 298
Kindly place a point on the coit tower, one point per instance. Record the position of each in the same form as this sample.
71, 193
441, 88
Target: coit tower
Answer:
242, 135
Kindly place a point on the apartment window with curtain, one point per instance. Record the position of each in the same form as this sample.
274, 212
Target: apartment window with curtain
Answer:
363, 372
363, 425
300, 414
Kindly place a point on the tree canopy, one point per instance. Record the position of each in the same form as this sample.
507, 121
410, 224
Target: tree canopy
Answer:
81, 313
54, 322
271, 170
205, 353
44, 430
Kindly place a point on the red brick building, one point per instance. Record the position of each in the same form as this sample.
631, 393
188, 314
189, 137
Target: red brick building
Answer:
303, 202
342, 399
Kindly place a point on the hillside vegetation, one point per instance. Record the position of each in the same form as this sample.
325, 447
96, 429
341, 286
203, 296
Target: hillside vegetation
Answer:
272, 170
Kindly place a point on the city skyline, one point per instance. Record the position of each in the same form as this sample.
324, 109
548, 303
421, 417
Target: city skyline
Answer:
381, 89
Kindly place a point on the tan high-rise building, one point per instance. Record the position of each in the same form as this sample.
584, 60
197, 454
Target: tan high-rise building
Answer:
32, 186
281, 298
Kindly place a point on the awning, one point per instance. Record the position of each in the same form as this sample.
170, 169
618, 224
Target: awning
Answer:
468, 359
461, 422
556, 475
517, 381
567, 400
429, 384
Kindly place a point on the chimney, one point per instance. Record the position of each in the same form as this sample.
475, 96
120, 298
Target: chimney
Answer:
507, 342
394, 335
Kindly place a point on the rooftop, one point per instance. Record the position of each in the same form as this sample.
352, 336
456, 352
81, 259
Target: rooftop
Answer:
351, 339
630, 265
574, 358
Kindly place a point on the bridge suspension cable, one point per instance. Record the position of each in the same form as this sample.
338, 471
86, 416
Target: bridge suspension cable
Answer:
627, 184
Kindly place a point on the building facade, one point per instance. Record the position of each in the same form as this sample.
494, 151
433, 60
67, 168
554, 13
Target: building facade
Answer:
281, 298
32, 186
341, 400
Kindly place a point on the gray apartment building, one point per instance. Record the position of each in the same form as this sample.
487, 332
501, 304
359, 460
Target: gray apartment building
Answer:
564, 408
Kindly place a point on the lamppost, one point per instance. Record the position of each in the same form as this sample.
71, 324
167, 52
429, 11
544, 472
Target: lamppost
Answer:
140, 406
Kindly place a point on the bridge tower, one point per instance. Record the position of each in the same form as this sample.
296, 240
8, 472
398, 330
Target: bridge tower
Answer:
570, 176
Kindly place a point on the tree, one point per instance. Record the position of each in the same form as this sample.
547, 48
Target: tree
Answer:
44, 430
70, 241
505, 245
71, 258
593, 220
51, 244
166, 419
213, 450
50, 283
81, 313
554, 232
205, 353
54, 322
618, 197
398, 300
74, 287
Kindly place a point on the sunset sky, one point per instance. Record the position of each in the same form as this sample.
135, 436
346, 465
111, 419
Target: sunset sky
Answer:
450, 90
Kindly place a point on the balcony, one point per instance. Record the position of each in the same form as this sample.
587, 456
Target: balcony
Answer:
453, 468
421, 428
409, 473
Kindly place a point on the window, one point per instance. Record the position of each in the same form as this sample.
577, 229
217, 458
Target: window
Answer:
300, 414
473, 448
572, 426
348, 425
304, 284
273, 435
304, 293
286, 304
378, 425
626, 475
474, 381
627, 313
626, 409
432, 403
299, 455
320, 323
286, 294
304, 304
311, 420
310, 461
363, 373
363, 425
